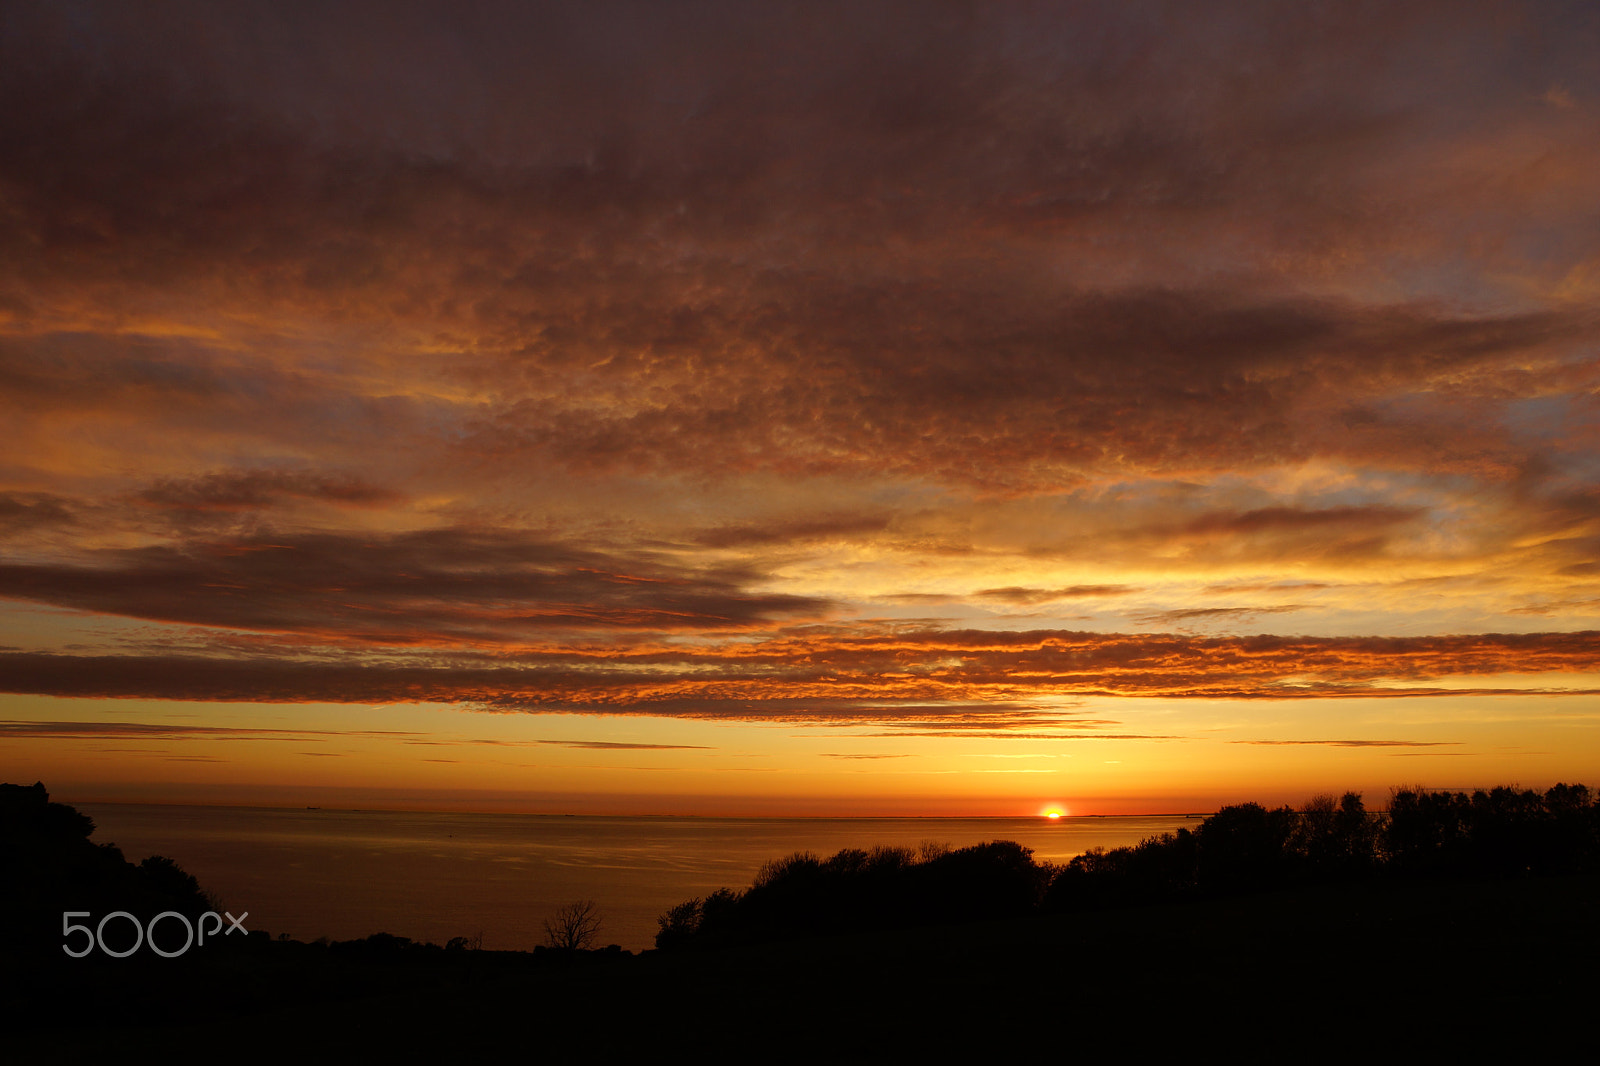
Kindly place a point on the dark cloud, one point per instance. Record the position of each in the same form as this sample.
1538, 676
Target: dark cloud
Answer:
948, 680
85, 371
803, 529
1296, 519
253, 490
22, 511
1030, 119
1019, 392
1031, 596
138, 396
938, 731
617, 745
846, 755
446, 584
1360, 743
1567, 606
600, 211
1212, 614
1238, 588
161, 731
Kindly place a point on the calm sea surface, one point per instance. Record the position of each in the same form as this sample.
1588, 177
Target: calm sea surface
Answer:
346, 874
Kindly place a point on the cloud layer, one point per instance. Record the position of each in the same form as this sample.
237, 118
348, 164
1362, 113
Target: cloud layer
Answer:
731, 360
950, 680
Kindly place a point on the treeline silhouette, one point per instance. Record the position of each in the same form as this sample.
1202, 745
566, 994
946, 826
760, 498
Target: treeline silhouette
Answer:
49, 865
858, 889
1502, 832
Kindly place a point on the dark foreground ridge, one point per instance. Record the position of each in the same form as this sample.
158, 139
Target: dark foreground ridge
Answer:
1454, 921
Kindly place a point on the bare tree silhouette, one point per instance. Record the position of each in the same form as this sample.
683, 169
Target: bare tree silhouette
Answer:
573, 927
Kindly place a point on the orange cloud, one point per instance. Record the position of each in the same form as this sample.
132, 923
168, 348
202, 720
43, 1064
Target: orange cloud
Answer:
949, 679
533, 365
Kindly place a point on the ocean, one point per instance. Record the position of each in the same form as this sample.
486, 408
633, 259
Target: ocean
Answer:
432, 876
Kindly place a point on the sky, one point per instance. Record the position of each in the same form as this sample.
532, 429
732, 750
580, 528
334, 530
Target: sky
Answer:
764, 408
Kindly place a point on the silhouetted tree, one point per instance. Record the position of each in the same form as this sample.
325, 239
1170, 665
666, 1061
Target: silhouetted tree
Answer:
1355, 836
573, 927
1155, 870
1574, 828
1244, 846
676, 927
1332, 839
997, 879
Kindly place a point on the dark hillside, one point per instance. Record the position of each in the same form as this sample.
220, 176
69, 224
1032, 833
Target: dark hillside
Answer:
1459, 923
